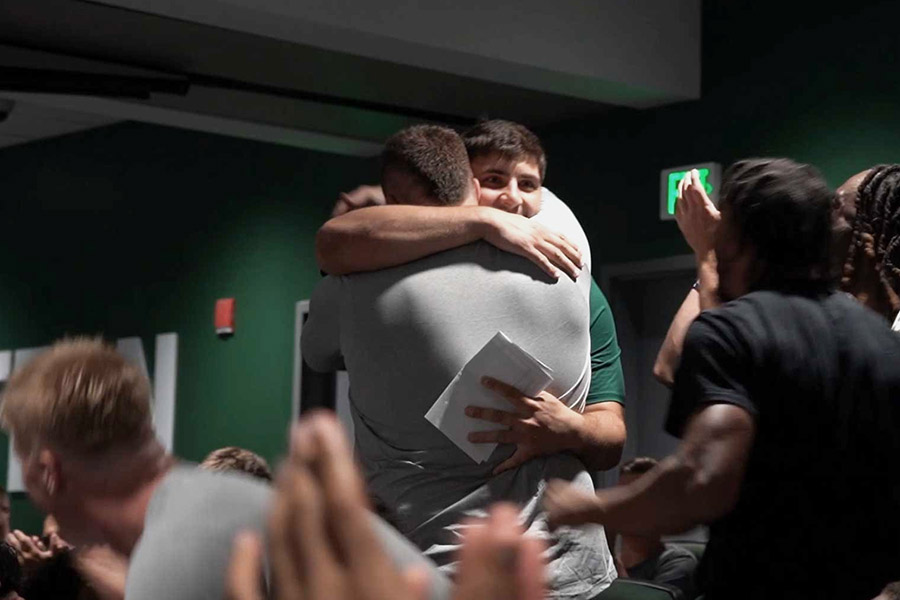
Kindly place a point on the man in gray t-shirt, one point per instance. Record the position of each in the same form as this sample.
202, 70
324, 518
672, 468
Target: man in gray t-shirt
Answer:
80, 415
189, 526
403, 333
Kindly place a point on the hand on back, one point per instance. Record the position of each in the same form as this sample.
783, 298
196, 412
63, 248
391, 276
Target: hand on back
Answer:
362, 196
551, 251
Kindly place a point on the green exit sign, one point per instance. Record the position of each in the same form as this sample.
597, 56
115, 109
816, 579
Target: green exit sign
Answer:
670, 178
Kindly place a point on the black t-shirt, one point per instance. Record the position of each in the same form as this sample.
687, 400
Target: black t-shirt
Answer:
819, 509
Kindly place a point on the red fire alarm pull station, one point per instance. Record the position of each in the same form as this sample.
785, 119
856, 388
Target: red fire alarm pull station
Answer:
224, 317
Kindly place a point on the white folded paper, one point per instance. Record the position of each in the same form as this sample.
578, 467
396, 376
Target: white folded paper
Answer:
503, 360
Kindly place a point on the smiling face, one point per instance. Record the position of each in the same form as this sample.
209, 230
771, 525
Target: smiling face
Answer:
512, 185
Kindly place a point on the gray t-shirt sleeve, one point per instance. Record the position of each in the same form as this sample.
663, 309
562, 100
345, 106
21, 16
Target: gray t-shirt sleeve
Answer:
321, 339
675, 567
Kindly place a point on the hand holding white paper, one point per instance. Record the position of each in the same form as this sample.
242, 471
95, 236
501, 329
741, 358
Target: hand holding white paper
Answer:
503, 360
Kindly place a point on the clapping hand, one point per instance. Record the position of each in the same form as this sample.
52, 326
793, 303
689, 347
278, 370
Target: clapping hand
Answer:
697, 217
322, 545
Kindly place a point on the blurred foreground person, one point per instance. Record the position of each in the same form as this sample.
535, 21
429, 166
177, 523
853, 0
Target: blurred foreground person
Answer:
787, 401
80, 416
321, 544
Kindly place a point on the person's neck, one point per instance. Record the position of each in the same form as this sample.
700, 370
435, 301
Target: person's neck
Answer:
636, 549
119, 516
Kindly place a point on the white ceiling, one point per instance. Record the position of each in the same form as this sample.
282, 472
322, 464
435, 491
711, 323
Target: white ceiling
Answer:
637, 53
341, 75
28, 122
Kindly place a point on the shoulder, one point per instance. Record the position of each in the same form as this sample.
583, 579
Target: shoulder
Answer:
738, 317
190, 524
187, 493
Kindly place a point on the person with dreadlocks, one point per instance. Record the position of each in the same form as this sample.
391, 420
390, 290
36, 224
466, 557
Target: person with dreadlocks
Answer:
787, 401
867, 239
865, 251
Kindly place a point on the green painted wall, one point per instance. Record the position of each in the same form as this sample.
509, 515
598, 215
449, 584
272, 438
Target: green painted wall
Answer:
137, 230
820, 86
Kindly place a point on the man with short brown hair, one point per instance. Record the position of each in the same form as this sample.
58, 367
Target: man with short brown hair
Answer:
425, 164
80, 417
403, 333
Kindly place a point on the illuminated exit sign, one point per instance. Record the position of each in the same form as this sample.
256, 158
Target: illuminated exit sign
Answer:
670, 178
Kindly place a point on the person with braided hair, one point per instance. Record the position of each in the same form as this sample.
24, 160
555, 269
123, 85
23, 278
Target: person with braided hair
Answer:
865, 251
867, 239
787, 401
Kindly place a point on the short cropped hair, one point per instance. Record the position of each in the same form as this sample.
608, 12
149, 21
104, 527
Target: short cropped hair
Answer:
80, 395
638, 466
232, 458
511, 140
434, 157
783, 209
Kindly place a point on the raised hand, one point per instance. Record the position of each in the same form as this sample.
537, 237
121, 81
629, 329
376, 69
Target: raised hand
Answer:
321, 541
497, 562
32, 551
322, 546
697, 217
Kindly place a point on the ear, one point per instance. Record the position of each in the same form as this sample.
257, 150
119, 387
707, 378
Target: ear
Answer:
50, 472
476, 187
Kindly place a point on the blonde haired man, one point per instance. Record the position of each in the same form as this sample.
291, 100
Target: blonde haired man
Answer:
80, 416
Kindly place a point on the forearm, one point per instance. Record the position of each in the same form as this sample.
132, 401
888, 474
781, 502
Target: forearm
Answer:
667, 500
669, 356
600, 438
697, 484
708, 277
706, 296
385, 236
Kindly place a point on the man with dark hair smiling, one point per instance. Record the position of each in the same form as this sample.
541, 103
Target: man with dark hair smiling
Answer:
516, 214
403, 333
787, 401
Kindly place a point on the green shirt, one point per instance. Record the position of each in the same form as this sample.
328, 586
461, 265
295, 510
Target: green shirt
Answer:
607, 380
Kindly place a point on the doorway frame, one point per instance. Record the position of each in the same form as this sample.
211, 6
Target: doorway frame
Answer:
608, 276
